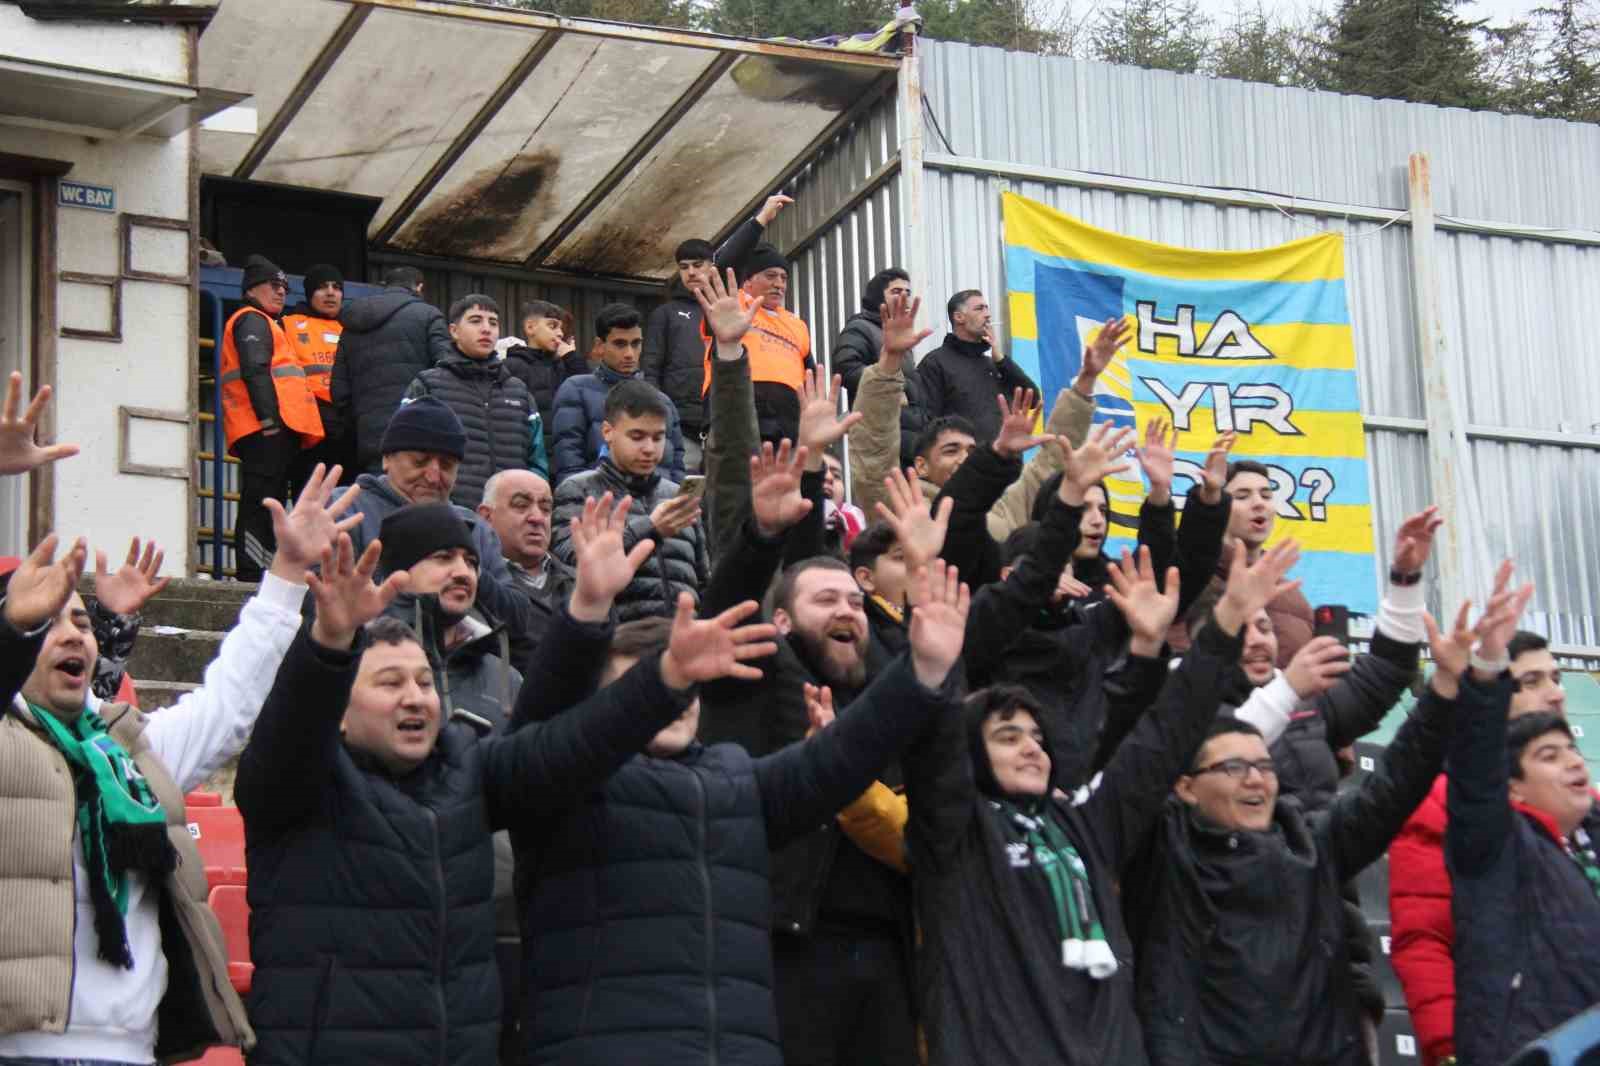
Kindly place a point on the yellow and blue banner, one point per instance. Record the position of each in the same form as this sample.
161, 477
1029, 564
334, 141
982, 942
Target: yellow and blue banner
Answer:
1257, 342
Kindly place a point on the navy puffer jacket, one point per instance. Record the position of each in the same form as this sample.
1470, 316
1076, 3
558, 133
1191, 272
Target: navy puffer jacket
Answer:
580, 410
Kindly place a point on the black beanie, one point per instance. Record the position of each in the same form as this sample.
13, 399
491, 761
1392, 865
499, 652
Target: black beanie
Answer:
694, 248
257, 269
415, 532
425, 424
319, 275
763, 257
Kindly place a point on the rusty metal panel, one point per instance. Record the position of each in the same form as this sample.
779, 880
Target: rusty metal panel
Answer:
739, 137
562, 131
248, 49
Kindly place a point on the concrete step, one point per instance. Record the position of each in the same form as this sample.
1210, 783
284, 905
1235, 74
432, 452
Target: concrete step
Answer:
154, 695
164, 653
192, 604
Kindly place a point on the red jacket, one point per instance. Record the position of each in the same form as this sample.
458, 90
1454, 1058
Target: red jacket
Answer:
1421, 926
1423, 930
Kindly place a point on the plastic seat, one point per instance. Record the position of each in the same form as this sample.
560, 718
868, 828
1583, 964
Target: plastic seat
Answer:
1394, 994
1397, 1041
203, 799
232, 909
221, 1056
219, 834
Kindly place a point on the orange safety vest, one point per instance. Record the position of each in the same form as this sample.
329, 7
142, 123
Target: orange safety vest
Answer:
316, 344
297, 408
778, 344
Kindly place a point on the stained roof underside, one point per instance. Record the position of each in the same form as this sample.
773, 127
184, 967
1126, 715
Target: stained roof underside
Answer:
515, 138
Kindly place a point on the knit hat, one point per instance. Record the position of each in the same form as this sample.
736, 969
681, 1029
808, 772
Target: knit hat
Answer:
694, 248
764, 257
425, 424
416, 531
257, 269
319, 275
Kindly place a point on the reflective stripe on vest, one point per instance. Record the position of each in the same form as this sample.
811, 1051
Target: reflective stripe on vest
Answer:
316, 344
297, 407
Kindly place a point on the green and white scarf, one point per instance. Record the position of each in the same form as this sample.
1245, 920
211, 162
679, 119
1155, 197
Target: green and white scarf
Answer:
1035, 843
121, 824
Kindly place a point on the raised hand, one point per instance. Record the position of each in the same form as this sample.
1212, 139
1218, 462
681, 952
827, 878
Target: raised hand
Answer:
819, 708
769, 210
41, 586
134, 584
821, 424
705, 650
996, 353
1251, 588
920, 532
1214, 474
1317, 666
1137, 595
1098, 459
729, 312
1157, 456
1499, 622
900, 332
19, 452
1414, 540
675, 514
1097, 355
775, 499
1452, 651
1016, 424
565, 348
347, 597
939, 623
604, 567
313, 527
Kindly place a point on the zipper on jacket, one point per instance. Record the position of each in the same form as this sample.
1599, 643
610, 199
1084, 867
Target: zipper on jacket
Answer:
438, 955
710, 917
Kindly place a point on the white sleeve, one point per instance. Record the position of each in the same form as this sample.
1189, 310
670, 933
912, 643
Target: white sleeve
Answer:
1269, 707
1400, 614
210, 725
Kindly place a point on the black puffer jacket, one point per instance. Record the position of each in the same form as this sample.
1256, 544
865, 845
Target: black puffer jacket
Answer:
674, 356
543, 374
994, 990
504, 430
388, 339
961, 378
1241, 936
678, 564
857, 348
1525, 914
372, 921
647, 912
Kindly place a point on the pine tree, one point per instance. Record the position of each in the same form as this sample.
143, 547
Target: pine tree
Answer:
1261, 46
1417, 50
1156, 34
1572, 68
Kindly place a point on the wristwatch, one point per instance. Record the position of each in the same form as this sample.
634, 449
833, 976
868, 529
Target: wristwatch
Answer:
1397, 577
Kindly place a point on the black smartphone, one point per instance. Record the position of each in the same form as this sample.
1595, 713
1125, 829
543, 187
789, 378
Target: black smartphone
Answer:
1332, 620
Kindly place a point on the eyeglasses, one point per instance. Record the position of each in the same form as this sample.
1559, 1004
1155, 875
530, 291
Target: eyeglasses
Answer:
1238, 769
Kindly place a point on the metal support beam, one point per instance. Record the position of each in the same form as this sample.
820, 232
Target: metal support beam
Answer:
337, 43
1543, 438
635, 155
914, 255
1445, 476
476, 125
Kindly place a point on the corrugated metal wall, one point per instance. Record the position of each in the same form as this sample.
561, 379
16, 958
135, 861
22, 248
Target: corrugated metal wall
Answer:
1515, 309
845, 224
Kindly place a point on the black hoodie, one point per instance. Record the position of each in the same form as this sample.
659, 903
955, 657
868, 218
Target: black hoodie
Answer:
674, 356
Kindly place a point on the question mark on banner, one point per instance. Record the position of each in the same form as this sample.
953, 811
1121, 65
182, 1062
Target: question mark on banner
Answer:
1321, 484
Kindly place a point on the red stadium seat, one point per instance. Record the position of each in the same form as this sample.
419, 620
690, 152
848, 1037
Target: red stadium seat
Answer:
221, 1056
219, 834
199, 798
233, 912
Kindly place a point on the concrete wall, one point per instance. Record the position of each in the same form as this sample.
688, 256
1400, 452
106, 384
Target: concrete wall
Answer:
151, 366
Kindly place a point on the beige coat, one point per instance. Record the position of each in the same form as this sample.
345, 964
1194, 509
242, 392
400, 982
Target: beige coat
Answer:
38, 807
1070, 419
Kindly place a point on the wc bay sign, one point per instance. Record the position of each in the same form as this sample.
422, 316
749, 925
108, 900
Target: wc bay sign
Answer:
82, 194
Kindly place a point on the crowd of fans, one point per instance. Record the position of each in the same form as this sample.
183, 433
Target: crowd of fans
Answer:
614, 730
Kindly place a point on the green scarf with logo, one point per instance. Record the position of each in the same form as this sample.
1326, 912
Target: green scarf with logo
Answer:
1035, 843
121, 824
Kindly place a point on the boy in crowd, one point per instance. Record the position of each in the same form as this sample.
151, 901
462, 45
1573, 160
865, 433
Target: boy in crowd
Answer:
504, 430
581, 402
